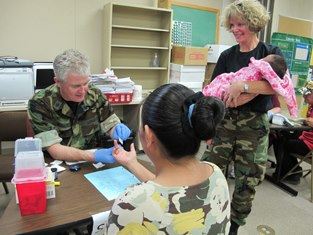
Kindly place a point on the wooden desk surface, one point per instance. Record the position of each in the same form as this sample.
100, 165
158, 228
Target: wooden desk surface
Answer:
76, 200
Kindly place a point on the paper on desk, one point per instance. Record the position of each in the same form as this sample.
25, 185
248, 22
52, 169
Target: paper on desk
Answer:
56, 162
99, 222
112, 182
73, 163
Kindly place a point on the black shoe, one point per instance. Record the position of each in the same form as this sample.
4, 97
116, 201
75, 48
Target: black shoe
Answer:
293, 179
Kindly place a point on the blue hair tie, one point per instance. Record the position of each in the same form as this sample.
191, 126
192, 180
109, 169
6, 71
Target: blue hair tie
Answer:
190, 110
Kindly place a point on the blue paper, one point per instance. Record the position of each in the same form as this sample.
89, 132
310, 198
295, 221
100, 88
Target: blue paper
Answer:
112, 182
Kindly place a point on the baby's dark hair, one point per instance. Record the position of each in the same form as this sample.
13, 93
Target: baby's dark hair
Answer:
278, 64
166, 111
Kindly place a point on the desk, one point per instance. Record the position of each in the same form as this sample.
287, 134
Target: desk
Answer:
281, 132
76, 200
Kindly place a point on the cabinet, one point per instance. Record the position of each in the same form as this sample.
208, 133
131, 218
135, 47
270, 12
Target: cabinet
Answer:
133, 35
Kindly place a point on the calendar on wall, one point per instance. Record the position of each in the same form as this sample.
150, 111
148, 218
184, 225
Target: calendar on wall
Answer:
182, 33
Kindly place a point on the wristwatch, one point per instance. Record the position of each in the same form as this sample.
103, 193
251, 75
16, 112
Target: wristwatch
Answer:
245, 87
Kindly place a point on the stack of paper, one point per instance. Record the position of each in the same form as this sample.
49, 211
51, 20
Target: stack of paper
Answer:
124, 85
109, 83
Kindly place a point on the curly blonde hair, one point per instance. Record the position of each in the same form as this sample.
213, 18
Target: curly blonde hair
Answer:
251, 11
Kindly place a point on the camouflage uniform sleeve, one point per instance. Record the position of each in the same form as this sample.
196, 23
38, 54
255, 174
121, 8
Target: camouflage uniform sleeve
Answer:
49, 138
39, 116
108, 118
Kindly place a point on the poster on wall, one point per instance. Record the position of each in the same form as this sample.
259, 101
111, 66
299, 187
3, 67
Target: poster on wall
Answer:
297, 51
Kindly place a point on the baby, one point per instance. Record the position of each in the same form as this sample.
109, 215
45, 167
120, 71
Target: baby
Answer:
272, 68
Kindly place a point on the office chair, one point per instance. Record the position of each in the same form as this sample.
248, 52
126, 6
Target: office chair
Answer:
12, 126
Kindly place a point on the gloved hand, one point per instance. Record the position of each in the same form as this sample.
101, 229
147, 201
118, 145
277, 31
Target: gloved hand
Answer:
121, 131
104, 155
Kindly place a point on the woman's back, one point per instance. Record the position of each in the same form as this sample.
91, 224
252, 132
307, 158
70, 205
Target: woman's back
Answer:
149, 208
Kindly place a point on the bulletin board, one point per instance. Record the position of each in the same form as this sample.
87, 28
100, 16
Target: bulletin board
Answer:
297, 51
205, 22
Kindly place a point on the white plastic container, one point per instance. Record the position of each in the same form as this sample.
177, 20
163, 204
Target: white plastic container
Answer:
27, 144
29, 166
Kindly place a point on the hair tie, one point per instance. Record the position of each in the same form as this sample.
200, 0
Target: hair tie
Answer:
190, 110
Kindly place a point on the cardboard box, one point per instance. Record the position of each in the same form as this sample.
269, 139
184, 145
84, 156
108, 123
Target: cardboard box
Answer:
214, 51
208, 73
189, 55
187, 73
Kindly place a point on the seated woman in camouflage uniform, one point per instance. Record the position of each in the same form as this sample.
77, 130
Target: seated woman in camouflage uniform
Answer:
72, 115
184, 196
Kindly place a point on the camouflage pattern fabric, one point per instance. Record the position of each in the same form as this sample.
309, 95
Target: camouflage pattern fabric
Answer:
149, 208
54, 122
243, 138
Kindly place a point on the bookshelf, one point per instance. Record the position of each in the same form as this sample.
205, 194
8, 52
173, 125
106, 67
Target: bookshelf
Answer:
132, 36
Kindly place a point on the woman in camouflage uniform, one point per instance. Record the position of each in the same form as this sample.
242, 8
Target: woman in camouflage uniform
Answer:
243, 135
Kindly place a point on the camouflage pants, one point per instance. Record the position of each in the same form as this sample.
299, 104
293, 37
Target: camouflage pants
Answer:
243, 138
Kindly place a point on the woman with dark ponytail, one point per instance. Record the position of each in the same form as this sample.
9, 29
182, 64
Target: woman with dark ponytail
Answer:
184, 195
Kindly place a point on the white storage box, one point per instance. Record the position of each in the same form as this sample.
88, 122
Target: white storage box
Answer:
195, 86
214, 52
187, 73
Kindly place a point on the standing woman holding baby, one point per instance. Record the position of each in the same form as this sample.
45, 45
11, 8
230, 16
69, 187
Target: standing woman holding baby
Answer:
243, 134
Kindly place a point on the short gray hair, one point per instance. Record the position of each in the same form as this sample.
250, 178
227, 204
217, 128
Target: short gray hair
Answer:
70, 61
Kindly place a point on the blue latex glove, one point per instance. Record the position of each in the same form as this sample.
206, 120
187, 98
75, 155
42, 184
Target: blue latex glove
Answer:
121, 131
104, 155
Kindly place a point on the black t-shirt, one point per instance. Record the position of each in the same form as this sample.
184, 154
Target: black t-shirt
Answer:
232, 60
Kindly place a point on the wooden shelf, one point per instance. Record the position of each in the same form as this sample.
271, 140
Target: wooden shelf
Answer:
140, 47
132, 36
139, 28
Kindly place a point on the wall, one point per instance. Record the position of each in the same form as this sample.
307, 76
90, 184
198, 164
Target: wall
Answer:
302, 9
40, 29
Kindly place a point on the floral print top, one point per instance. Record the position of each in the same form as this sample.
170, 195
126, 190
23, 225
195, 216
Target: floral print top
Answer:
150, 208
